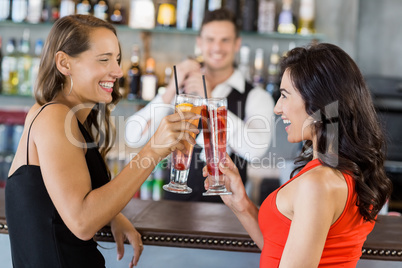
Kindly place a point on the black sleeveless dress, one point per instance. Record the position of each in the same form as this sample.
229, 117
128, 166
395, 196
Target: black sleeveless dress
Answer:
38, 235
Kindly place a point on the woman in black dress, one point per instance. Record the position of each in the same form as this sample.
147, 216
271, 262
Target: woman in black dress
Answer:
59, 192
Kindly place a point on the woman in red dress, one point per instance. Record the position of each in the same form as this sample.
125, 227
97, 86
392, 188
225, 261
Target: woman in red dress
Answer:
322, 216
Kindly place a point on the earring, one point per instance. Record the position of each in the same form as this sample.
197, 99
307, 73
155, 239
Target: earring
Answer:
71, 88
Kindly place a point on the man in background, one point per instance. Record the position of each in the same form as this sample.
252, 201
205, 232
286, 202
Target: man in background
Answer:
250, 110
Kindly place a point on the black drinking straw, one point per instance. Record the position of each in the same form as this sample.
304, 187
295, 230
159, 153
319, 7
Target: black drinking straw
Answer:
205, 87
206, 98
175, 79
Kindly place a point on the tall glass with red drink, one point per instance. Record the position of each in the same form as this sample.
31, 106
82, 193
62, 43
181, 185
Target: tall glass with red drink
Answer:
180, 160
213, 116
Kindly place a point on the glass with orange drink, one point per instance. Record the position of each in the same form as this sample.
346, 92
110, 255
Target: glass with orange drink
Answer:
181, 160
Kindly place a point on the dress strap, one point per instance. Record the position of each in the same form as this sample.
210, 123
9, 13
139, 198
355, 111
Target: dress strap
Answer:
29, 131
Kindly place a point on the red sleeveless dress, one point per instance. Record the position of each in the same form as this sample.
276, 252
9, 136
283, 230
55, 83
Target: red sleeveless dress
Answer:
345, 237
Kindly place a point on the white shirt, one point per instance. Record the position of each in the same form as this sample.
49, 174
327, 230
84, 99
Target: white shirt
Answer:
250, 139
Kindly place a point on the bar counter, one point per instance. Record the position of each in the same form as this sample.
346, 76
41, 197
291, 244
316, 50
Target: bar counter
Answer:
214, 226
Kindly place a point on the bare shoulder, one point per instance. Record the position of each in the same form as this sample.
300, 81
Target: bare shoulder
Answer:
54, 120
322, 181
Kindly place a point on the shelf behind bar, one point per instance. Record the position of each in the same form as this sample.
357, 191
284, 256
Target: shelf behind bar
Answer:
16, 102
188, 31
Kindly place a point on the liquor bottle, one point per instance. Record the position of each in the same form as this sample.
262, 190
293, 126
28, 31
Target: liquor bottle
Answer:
35, 63
101, 10
235, 7
166, 15
1, 61
258, 79
67, 7
149, 81
286, 21
118, 14
306, 17
244, 63
4, 9
84, 7
250, 14
24, 65
197, 14
266, 16
51, 11
122, 87
159, 175
9, 69
142, 14
146, 188
183, 11
134, 74
19, 10
166, 80
34, 11
214, 4
273, 78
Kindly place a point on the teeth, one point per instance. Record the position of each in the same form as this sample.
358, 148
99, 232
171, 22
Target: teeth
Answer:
286, 121
106, 84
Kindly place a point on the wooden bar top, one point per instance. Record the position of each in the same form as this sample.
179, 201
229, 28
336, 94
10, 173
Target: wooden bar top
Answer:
214, 226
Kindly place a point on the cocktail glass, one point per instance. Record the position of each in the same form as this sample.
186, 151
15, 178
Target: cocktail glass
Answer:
180, 160
213, 116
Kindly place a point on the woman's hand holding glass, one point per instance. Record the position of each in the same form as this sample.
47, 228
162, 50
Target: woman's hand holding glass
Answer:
172, 133
233, 183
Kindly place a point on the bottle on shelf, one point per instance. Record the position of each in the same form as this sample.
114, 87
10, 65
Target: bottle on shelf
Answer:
250, 15
244, 62
67, 7
9, 69
5, 8
35, 8
51, 11
166, 80
258, 78
24, 65
266, 16
102, 9
273, 78
182, 14
235, 7
122, 87
286, 19
118, 14
1, 60
291, 46
35, 63
134, 74
84, 7
198, 9
142, 14
149, 81
214, 4
306, 17
166, 14
19, 10
159, 176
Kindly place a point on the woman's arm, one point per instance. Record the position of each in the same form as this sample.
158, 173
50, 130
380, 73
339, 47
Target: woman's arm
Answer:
66, 175
238, 201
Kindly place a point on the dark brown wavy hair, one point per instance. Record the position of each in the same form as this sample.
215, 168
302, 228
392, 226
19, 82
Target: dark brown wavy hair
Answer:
70, 34
349, 137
